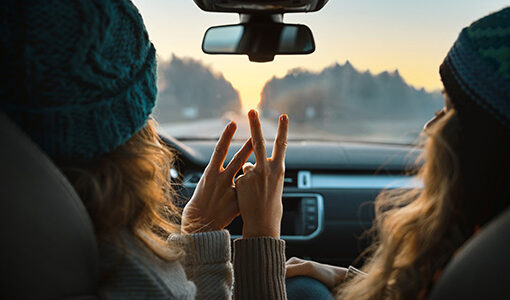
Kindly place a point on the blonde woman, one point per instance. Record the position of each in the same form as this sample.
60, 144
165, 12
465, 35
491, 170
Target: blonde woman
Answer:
79, 78
465, 177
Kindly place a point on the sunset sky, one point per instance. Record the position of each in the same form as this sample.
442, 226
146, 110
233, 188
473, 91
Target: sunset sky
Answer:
412, 36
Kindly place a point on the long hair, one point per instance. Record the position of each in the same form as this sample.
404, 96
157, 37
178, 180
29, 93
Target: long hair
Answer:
416, 232
130, 188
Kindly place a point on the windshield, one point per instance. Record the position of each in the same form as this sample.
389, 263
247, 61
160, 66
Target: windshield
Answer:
373, 77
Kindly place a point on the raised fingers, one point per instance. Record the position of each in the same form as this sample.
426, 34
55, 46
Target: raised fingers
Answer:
239, 159
221, 149
280, 142
259, 145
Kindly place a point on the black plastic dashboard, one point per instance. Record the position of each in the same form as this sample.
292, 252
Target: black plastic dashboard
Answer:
329, 190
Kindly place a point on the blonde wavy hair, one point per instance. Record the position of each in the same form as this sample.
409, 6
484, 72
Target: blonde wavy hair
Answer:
130, 188
416, 232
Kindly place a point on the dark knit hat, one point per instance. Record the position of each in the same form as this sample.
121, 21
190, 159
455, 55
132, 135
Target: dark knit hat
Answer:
78, 76
476, 71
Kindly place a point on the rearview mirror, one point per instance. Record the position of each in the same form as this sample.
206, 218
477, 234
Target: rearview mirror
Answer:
260, 41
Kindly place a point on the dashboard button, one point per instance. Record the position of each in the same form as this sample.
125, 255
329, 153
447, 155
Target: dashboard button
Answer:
310, 228
311, 209
310, 201
311, 219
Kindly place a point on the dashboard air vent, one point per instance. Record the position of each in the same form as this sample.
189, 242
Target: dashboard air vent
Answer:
291, 178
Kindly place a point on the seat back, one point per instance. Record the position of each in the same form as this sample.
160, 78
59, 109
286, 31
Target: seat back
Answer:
481, 270
48, 249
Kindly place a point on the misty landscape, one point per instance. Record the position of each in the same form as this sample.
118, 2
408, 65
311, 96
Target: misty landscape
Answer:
338, 102
190, 91
342, 101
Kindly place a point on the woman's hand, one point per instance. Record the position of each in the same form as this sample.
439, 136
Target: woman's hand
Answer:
213, 205
259, 189
331, 276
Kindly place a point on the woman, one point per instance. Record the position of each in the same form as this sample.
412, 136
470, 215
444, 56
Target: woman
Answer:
79, 78
465, 176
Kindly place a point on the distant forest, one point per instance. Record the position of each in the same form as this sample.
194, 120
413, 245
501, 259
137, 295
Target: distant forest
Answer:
189, 90
344, 101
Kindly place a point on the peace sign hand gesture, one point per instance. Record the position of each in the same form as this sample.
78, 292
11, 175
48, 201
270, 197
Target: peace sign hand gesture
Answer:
213, 205
259, 189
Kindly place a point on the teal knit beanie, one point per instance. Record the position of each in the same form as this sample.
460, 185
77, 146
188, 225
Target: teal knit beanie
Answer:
78, 76
476, 71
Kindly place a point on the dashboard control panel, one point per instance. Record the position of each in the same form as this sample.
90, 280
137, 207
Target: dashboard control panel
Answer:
303, 217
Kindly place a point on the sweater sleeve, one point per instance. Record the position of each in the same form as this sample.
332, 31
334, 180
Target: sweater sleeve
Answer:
207, 263
259, 268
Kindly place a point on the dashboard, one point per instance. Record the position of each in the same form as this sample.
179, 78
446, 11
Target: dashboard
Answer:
328, 195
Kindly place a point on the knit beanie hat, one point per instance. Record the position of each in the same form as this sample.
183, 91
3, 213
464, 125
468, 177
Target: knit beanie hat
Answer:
79, 77
476, 71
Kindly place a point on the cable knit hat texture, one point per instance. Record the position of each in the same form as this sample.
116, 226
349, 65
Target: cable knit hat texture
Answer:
477, 68
78, 76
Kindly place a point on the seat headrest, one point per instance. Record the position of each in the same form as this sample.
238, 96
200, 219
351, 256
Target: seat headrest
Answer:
49, 249
481, 270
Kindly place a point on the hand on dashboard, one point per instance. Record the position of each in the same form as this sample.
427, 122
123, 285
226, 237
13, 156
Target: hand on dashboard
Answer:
259, 189
213, 205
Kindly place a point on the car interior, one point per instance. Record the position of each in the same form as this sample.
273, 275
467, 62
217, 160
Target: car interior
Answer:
49, 250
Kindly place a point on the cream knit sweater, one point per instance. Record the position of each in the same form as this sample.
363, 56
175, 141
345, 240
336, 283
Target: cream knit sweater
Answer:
206, 272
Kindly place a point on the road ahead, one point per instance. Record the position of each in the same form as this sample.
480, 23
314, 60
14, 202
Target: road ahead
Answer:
393, 131
212, 128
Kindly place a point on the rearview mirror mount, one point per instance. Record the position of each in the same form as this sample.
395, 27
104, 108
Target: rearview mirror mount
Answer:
261, 6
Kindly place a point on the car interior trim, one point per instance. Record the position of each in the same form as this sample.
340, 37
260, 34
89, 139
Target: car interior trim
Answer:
308, 180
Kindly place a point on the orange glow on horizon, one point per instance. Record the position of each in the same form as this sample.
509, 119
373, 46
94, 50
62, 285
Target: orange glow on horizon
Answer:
250, 98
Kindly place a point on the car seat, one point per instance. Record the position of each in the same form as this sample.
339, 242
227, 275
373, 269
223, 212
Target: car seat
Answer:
481, 270
49, 249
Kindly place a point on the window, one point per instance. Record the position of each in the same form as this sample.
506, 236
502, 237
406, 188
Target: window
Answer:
374, 76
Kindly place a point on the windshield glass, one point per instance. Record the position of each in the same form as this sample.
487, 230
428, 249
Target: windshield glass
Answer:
373, 77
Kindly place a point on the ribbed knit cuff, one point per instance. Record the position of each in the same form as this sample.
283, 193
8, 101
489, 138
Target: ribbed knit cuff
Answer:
205, 247
259, 268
